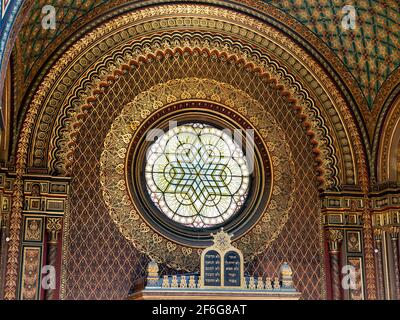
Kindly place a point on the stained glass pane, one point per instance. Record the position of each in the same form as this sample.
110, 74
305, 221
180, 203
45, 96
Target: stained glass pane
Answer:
197, 175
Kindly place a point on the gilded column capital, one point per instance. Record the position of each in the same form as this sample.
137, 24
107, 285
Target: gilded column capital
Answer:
335, 237
394, 232
378, 234
53, 227
3, 219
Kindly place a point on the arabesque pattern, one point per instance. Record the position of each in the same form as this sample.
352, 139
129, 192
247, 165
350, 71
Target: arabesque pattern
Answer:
370, 51
102, 264
197, 175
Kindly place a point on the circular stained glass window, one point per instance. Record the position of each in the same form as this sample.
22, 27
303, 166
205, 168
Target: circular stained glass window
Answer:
197, 175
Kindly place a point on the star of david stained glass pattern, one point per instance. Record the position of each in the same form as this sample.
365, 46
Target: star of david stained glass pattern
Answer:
197, 175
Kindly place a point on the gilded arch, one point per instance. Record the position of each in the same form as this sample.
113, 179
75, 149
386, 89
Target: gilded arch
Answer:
106, 75
337, 143
386, 115
388, 145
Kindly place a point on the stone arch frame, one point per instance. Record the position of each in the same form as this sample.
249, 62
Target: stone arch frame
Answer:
28, 127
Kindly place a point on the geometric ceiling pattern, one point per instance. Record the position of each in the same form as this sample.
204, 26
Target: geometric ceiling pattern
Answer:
371, 52
34, 39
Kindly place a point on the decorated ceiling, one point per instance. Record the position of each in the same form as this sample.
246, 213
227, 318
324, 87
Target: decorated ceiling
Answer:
365, 58
371, 52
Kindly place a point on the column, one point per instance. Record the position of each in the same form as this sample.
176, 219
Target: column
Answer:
53, 228
394, 235
379, 263
335, 237
3, 250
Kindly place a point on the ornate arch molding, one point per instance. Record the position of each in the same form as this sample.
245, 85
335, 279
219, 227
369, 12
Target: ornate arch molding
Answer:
388, 142
345, 127
15, 16
254, 37
254, 8
385, 117
268, 71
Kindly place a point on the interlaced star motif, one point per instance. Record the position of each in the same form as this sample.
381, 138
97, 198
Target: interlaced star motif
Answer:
222, 240
197, 175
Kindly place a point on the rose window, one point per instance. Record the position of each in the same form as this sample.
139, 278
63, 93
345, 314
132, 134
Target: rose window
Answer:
197, 175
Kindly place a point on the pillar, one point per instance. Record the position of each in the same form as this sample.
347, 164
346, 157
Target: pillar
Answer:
3, 250
394, 235
53, 228
379, 263
335, 237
